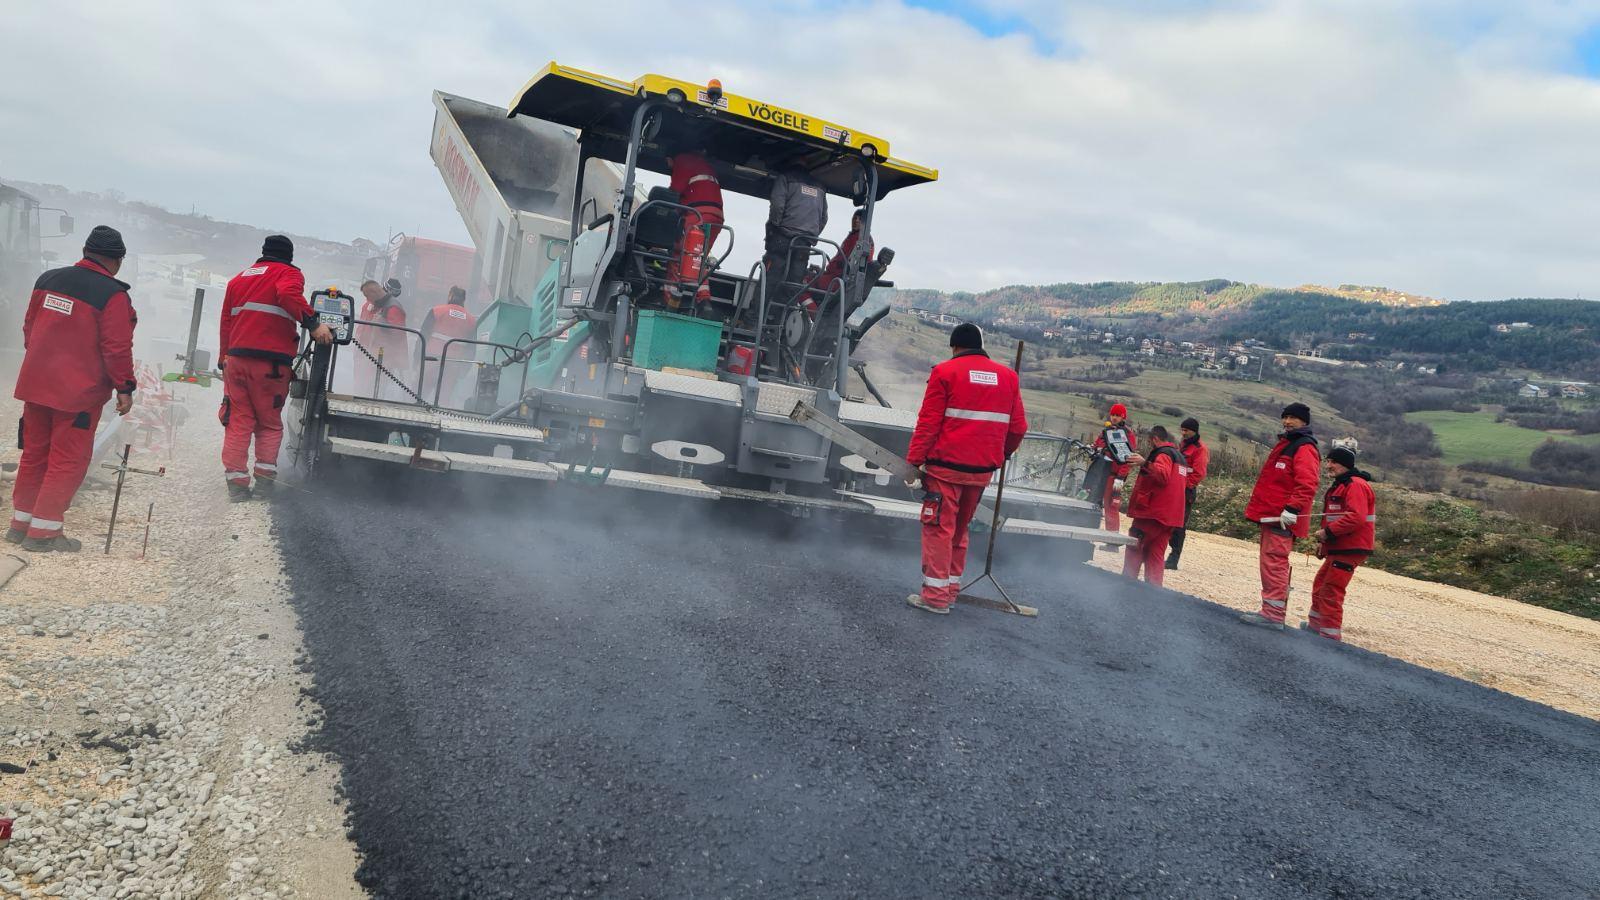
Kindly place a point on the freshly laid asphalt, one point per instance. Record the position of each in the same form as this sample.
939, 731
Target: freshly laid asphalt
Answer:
533, 697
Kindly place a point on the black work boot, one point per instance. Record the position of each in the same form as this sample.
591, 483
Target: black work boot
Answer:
265, 488
58, 544
15, 535
238, 493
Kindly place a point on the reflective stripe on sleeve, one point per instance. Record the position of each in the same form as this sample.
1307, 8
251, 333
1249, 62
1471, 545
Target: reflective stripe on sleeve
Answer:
262, 308
978, 415
699, 178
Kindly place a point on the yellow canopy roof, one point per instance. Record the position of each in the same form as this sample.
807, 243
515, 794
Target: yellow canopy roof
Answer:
754, 140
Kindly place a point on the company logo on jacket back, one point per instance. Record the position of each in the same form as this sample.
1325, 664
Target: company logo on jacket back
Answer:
980, 377
253, 270
58, 303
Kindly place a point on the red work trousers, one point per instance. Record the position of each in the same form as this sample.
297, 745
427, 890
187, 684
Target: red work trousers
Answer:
1112, 502
688, 256
944, 535
1276, 545
1150, 552
256, 390
56, 447
1327, 594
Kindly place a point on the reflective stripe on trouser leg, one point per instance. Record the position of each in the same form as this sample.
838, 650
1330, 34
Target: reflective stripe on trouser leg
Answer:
1275, 572
966, 502
236, 381
1327, 595
1111, 502
71, 445
938, 539
267, 397
20, 520
36, 422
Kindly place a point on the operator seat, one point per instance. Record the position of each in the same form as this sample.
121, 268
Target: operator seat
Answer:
660, 226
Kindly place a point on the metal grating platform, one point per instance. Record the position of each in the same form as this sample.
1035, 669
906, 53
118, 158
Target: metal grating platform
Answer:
1046, 498
386, 410
852, 412
779, 399
510, 431
689, 386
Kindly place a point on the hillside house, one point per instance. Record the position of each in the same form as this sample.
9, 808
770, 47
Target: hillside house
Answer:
1573, 391
1532, 391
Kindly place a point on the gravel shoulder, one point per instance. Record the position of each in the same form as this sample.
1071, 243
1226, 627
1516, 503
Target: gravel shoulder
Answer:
157, 706
1546, 656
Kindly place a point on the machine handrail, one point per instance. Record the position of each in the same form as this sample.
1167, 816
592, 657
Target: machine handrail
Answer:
444, 357
422, 348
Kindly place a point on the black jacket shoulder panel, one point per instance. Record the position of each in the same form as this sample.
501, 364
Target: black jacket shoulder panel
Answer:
82, 284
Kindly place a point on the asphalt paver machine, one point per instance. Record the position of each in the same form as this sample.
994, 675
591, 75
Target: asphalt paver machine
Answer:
641, 369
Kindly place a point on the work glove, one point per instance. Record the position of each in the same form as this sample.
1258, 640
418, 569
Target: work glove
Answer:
1287, 519
1116, 486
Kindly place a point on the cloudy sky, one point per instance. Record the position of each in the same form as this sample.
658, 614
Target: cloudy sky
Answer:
1446, 148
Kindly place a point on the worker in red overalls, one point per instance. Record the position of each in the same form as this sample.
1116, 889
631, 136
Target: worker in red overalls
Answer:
443, 323
1197, 458
391, 346
1116, 442
78, 341
1349, 525
695, 182
970, 422
1281, 505
1156, 506
823, 283
262, 310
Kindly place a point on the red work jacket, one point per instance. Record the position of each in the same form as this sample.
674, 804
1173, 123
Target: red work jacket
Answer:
835, 267
262, 311
1158, 492
1197, 457
1288, 481
78, 338
1120, 470
971, 417
696, 185
388, 340
1350, 514
447, 321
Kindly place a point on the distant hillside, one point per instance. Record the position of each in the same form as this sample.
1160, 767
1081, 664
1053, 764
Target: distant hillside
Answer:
1349, 322
222, 246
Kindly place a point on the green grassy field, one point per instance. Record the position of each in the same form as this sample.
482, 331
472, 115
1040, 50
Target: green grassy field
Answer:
900, 351
1465, 437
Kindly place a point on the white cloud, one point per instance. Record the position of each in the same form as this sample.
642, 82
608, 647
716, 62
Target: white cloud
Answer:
1438, 147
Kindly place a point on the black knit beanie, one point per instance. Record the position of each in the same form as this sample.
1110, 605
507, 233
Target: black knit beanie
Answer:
277, 246
1344, 456
966, 336
105, 241
1192, 424
1299, 411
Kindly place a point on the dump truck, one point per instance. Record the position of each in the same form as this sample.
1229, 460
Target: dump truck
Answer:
601, 362
21, 256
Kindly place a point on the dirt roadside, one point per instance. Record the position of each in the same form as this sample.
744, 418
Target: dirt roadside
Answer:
155, 705
1539, 654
